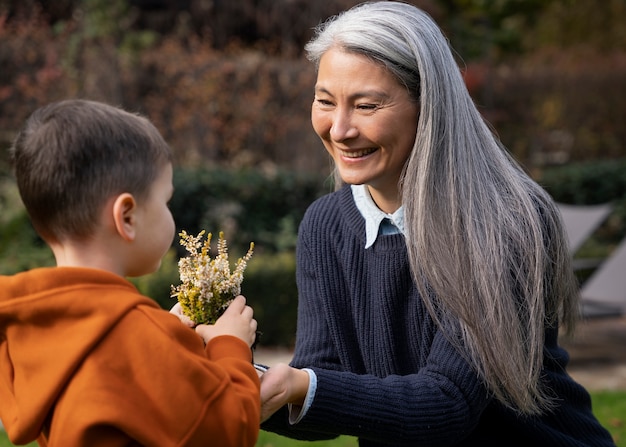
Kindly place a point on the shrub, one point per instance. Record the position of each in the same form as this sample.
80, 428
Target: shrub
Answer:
247, 205
592, 183
270, 288
20, 246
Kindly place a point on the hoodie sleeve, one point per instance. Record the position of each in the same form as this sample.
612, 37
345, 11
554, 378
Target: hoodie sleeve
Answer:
152, 380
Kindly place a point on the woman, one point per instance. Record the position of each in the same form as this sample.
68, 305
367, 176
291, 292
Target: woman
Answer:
431, 286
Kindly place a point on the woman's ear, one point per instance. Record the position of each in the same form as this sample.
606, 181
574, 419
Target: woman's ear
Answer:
124, 216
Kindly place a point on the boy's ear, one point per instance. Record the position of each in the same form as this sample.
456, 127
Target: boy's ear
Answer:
124, 209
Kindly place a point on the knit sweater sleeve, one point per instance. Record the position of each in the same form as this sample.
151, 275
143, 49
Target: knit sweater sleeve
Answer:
363, 388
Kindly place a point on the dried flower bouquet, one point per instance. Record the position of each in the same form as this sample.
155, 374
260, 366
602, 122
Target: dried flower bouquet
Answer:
207, 285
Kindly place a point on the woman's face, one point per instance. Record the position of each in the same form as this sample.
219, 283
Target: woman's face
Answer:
367, 122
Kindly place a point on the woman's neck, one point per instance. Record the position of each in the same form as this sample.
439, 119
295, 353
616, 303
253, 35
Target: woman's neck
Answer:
388, 202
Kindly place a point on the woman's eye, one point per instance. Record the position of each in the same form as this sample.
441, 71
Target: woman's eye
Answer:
367, 106
323, 102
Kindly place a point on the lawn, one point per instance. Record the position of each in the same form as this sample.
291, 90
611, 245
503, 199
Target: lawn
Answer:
265, 440
609, 407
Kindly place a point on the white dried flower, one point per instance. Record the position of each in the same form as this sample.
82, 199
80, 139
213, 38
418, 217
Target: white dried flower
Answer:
207, 285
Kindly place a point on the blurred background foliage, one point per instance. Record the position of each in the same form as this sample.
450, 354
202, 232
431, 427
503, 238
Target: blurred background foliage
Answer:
227, 84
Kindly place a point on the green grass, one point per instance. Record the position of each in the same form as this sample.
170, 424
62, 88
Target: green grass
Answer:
4, 441
609, 407
266, 439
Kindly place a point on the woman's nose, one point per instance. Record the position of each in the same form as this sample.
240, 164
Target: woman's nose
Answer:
343, 126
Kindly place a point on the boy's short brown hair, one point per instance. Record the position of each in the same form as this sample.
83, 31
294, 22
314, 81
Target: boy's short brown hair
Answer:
71, 156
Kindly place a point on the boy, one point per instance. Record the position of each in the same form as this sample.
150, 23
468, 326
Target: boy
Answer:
85, 360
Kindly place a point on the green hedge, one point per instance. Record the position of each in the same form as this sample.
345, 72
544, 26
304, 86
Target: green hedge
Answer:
247, 205
269, 286
590, 184
250, 206
587, 183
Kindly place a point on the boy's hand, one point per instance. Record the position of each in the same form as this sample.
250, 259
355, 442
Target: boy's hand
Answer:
237, 320
178, 311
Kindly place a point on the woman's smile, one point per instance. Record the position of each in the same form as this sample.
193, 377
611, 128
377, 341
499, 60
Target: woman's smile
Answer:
356, 153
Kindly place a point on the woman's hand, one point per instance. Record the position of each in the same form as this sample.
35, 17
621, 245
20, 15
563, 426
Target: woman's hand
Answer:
236, 320
281, 384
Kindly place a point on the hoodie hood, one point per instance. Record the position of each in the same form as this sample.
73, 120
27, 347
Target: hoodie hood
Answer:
50, 320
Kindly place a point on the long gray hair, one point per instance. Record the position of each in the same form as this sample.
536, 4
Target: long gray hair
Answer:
500, 272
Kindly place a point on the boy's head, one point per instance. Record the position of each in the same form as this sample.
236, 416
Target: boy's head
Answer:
72, 156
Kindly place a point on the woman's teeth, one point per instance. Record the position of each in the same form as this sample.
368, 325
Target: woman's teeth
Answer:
357, 154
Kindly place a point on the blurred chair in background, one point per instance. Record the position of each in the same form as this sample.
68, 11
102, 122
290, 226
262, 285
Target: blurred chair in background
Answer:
604, 292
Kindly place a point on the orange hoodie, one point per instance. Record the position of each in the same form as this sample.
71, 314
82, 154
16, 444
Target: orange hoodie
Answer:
85, 360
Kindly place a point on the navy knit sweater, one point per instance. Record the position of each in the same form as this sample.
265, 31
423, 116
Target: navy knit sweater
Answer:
385, 373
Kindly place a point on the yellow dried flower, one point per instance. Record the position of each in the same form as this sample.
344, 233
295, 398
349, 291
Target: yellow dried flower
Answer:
207, 285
